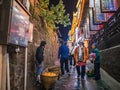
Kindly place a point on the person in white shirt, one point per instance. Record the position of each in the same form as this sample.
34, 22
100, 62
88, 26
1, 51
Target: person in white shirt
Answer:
71, 57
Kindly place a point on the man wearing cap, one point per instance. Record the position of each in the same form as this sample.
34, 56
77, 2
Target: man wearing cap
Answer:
39, 61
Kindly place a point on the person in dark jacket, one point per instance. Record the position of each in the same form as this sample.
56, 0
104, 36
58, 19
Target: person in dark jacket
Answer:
39, 61
96, 62
63, 55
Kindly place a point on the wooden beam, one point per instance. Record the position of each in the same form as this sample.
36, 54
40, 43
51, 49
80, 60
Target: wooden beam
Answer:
8, 73
0, 65
4, 68
25, 77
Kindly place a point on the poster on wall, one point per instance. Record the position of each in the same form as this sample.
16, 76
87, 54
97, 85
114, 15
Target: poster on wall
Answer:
91, 25
19, 28
99, 18
107, 6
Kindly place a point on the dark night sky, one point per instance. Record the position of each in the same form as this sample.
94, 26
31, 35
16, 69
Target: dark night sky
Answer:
70, 6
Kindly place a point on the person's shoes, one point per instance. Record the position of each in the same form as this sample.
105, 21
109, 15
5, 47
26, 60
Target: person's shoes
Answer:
78, 76
68, 74
73, 64
96, 78
82, 78
70, 66
62, 75
37, 83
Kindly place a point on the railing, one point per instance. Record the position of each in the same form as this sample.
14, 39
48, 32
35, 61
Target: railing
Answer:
109, 35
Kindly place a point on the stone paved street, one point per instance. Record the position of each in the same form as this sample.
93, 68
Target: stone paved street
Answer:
73, 83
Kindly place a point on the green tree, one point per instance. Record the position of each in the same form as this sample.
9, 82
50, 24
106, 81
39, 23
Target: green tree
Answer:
54, 14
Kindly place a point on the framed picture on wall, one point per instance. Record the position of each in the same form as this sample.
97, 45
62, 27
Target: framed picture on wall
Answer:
107, 6
99, 18
92, 26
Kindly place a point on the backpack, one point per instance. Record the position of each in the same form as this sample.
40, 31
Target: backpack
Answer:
39, 54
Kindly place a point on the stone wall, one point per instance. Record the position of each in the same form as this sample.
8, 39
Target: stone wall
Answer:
16, 68
51, 49
110, 62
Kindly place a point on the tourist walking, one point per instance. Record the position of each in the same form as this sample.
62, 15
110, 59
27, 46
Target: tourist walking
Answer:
63, 55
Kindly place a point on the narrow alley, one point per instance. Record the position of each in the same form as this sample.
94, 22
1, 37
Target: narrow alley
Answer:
59, 44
